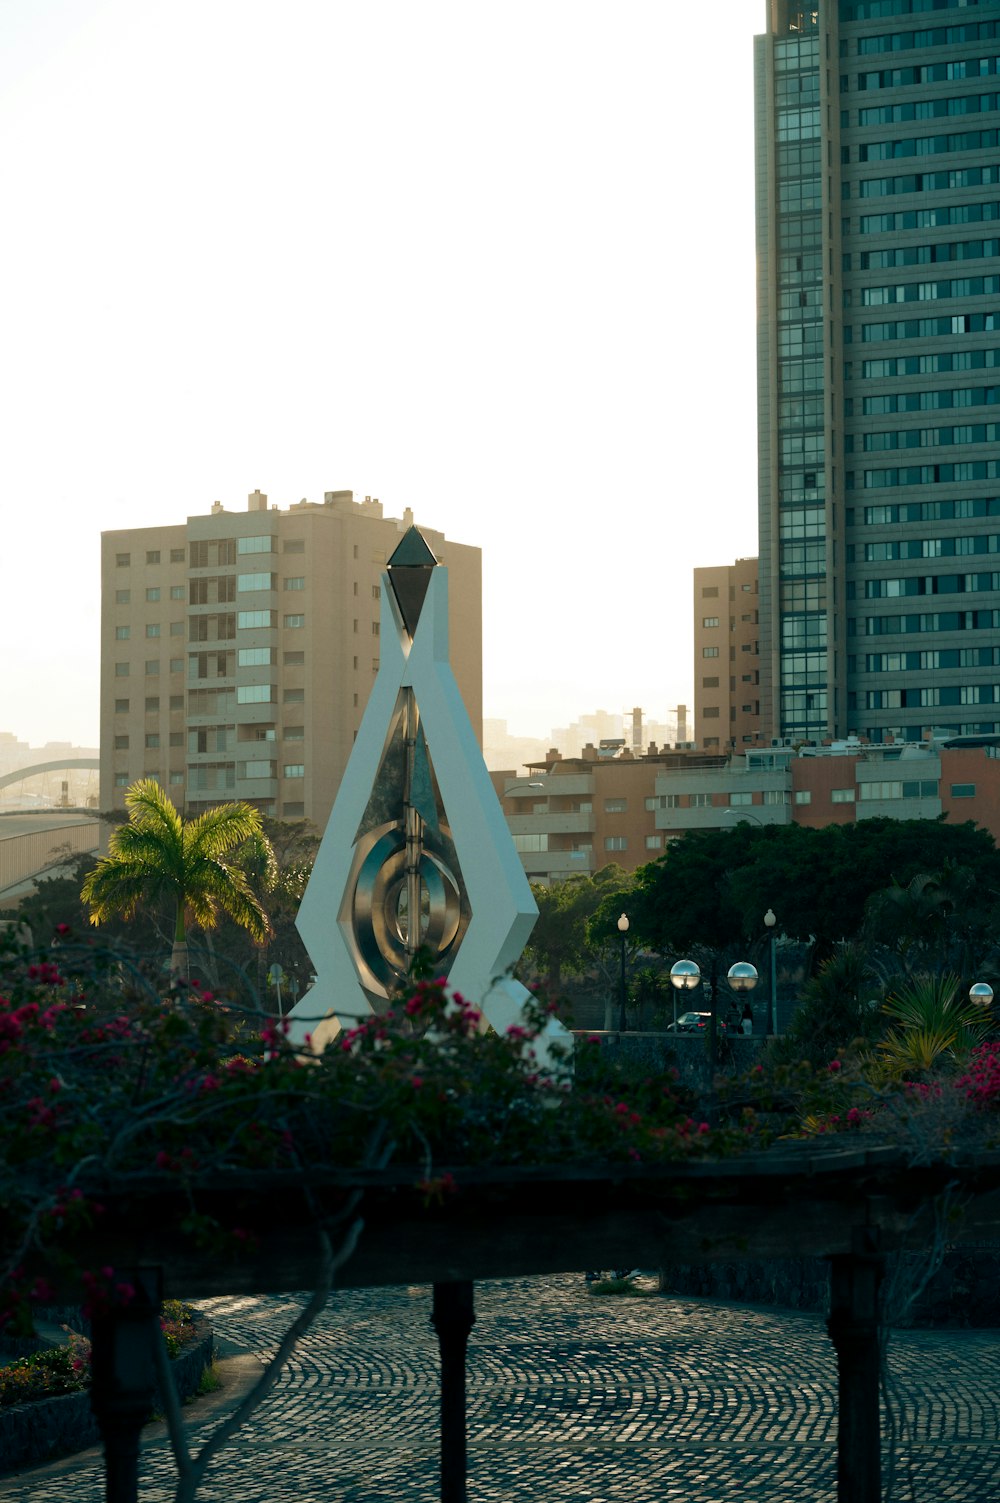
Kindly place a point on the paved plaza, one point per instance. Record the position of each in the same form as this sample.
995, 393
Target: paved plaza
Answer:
573, 1398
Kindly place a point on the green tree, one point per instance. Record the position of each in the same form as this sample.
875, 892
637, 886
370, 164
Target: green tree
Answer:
156, 857
560, 941
712, 887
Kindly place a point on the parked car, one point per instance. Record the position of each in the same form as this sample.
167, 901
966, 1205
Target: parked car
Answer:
694, 1022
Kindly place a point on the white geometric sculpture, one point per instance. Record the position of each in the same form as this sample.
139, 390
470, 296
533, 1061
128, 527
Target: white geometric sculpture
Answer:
416, 829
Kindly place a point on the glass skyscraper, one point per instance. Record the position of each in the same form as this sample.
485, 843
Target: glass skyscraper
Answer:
878, 244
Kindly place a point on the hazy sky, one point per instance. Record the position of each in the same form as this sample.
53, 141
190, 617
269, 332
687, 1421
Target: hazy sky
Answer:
494, 262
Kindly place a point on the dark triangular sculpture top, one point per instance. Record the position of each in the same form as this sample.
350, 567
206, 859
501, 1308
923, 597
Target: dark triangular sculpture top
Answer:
409, 574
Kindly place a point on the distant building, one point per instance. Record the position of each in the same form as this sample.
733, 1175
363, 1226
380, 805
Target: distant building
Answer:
726, 657
576, 815
878, 269
238, 649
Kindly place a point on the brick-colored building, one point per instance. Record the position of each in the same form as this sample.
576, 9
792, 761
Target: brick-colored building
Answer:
578, 814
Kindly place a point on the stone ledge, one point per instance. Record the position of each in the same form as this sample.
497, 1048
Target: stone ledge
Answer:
48, 1428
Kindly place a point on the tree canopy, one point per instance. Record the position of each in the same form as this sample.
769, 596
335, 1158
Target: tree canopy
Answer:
713, 887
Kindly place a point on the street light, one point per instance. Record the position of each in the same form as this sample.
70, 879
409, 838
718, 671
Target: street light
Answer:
623, 931
742, 976
738, 813
981, 993
684, 976
769, 923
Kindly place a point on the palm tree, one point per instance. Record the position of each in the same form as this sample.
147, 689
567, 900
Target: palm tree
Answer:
933, 1022
157, 855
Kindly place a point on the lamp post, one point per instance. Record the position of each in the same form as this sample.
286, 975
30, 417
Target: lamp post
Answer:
742, 977
769, 923
623, 931
740, 813
684, 976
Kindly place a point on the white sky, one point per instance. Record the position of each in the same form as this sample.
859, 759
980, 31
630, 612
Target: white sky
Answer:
491, 261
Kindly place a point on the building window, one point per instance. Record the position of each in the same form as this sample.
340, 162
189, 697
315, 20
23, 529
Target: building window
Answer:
295, 582
963, 790
121, 670
710, 683
121, 743
177, 628
654, 842
121, 779
177, 555
177, 777
842, 795
375, 629
176, 738
121, 706
294, 733
294, 659
255, 545
740, 800
711, 712
293, 810
294, 545
615, 805
177, 701
176, 665
775, 796
152, 628
710, 652
291, 623
177, 592
122, 633
294, 696
123, 597
709, 592
616, 842
153, 594
152, 555
257, 769
255, 657
122, 560
247, 620
709, 620
700, 801
152, 667
152, 704
295, 770
531, 842
925, 788
254, 582
152, 741
254, 694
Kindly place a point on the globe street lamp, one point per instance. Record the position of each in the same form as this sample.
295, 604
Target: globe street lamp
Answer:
623, 931
769, 923
684, 976
981, 993
742, 976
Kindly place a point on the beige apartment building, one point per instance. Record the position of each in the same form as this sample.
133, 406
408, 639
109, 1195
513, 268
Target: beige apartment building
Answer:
239, 648
726, 657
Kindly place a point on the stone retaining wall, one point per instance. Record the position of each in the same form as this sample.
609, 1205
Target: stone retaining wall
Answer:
46, 1428
963, 1294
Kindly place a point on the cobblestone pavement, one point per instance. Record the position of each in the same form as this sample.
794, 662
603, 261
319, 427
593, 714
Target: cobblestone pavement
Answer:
572, 1398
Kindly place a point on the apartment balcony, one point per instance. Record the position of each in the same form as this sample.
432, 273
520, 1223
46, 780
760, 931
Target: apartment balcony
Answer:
556, 863
551, 824
722, 817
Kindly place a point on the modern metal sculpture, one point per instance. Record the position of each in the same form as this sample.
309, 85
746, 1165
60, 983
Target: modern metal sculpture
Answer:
418, 857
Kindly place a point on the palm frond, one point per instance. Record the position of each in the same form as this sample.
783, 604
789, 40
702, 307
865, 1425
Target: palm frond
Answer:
221, 829
118, 887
